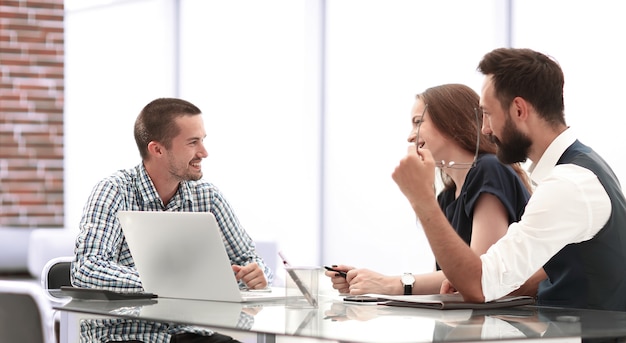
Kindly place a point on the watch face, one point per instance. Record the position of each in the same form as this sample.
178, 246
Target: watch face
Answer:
408, 279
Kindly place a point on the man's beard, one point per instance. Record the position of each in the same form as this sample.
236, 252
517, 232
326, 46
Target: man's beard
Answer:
516, 145
182, 174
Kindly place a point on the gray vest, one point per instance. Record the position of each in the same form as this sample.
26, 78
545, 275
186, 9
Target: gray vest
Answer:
591, 274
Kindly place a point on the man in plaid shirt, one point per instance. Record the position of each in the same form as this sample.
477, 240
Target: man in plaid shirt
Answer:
169, 134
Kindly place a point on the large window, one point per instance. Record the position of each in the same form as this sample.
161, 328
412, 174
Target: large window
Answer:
119, 56
307, 102
253, 68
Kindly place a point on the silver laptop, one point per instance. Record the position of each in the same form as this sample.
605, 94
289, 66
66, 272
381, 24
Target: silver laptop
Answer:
182, 255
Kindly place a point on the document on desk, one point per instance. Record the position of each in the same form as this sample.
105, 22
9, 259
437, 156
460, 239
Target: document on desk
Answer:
449, 301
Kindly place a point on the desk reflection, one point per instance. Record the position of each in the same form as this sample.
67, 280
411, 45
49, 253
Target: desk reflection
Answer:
496, 324
162, 319
124, 328
455, 325
340, 311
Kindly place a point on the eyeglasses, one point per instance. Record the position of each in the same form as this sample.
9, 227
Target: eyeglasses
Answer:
452, 164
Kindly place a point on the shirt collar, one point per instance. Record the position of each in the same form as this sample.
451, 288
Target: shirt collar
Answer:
540, 169
146, 188
150, 195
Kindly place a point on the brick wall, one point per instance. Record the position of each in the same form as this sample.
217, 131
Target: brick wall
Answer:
31, 113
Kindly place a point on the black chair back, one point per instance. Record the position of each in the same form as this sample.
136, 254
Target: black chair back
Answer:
59, 275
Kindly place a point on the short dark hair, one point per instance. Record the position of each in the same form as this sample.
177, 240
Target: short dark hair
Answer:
529, 74
156, 122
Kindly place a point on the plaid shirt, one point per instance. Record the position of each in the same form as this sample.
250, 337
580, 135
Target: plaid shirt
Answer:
103, 259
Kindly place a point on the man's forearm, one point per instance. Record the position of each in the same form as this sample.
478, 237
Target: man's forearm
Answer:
459, 263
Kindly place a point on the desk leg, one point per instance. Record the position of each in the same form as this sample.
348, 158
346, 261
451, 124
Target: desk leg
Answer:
69, 325
266, 338
63, 327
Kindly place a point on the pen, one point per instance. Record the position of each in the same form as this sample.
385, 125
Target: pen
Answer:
339, 272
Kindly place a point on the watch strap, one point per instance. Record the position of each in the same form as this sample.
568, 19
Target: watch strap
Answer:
408, 289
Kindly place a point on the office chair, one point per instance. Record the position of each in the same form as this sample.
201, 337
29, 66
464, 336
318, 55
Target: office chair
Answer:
56, 273
25, 313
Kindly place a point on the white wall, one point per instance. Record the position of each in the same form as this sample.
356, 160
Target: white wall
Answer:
256, 70
115, 63
587, 39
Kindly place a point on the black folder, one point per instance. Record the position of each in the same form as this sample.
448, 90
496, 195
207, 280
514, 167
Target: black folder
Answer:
450, 301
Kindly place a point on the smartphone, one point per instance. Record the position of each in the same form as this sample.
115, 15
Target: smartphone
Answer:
361, 299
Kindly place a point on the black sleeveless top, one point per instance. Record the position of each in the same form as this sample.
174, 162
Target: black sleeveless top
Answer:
487, 176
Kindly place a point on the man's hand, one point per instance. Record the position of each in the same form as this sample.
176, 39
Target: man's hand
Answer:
415, 176
251, 274
447, 287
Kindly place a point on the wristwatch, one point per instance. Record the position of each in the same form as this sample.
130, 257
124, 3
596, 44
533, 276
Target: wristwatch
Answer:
407, 281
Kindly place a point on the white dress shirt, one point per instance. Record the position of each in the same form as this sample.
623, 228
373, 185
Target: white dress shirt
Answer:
569, 205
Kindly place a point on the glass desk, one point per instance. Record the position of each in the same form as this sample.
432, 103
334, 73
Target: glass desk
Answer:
336, 321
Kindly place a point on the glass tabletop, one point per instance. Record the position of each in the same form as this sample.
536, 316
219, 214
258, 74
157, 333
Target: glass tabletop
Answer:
337, 320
